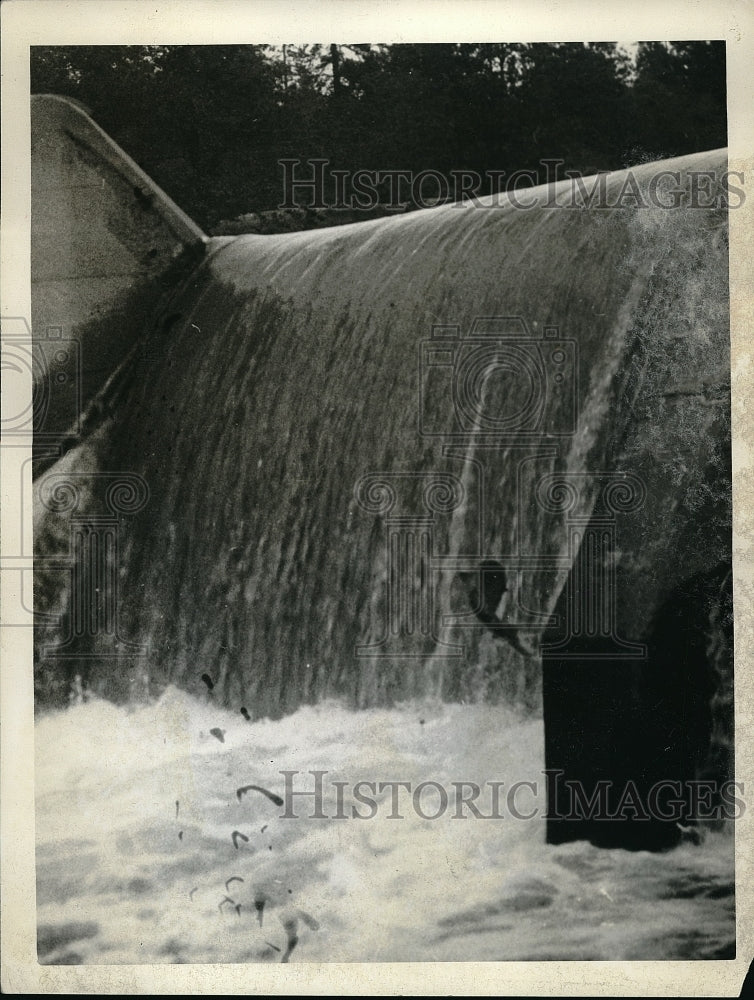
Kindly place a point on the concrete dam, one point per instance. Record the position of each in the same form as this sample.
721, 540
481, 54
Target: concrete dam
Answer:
477, 452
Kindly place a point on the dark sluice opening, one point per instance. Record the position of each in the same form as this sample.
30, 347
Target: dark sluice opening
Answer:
626, 739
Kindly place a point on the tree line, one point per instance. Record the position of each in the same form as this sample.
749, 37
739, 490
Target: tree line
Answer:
211, 123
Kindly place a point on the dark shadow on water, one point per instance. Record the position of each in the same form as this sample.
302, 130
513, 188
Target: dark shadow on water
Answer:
52, 937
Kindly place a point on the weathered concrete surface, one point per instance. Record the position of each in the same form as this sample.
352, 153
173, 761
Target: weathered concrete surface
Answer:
106, 244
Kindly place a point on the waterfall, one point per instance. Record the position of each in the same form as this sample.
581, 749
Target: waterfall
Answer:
301, 399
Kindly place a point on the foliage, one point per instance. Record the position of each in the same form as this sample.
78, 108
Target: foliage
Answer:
210, 123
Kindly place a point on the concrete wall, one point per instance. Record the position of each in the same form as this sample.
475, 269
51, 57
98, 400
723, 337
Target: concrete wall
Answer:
106, 245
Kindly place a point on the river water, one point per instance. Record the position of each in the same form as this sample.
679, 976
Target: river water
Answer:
137, 862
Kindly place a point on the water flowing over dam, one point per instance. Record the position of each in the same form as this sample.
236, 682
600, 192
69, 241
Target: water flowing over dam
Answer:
372, 462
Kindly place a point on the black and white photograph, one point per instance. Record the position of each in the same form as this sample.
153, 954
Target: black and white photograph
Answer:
377, 578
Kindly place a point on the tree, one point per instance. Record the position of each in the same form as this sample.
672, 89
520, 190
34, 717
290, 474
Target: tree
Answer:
210, 123
680, 97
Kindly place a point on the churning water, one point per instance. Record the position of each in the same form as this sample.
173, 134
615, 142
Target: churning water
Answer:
147, 852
